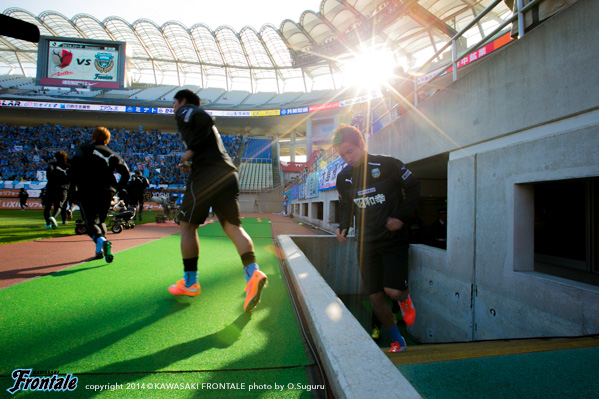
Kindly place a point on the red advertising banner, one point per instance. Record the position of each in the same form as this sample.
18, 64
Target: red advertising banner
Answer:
324, 107
36, 204
9, 193
6, 203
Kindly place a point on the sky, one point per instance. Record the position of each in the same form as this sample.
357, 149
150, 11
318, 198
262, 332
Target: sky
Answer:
235, 13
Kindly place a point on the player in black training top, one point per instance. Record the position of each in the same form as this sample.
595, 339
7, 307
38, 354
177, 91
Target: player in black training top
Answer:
136, 190
381, 193
92, 171
57, 187
212, 182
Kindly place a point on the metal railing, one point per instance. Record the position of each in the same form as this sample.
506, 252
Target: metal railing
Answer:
455, 58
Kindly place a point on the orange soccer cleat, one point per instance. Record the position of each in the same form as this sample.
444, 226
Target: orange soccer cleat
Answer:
179, 288
254, 290
407, 311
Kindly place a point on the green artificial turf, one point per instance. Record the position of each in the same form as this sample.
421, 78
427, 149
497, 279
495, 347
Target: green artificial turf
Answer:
119, 318
18, 226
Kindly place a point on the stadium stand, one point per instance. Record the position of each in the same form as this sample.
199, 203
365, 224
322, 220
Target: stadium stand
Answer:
254, 176
169, 95
14, 81
258, 98
255, 171
284, 98
153, 93
210, 94
257, 150
121, 93
234, 97
157, 154
315, 96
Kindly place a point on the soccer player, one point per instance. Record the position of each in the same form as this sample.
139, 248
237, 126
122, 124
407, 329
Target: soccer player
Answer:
382, 194
212, 182
92, 170
23, 196
57, 187
136, 190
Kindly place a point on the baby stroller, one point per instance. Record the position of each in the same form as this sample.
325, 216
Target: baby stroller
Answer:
122, 219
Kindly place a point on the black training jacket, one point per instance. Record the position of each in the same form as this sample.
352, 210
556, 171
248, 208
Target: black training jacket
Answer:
93, 167
380, 188
57, 175
201, 136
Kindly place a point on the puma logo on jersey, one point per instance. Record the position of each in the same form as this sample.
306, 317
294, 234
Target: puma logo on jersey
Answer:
62, 170
107, 159
349, 181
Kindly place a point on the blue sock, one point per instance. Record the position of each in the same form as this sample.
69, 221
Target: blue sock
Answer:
100, 243
249, 270
190, 278
395, 335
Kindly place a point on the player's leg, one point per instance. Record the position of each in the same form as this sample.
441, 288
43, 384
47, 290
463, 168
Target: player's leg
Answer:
141, 206
103, 208
53, 209
395, 260
88, 208
372, 272
226, 207
193, 212
47, 216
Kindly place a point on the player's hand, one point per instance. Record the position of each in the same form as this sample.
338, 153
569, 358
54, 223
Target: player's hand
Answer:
393, 224
341, 235
184, 167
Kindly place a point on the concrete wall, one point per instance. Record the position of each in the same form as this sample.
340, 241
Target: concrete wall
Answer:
336, 262
527, 114
355, 365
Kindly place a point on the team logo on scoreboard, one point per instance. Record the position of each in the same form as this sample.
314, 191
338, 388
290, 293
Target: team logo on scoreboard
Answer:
62, 58
104, 62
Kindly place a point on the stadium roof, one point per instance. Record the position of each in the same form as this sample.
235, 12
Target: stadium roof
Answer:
298, 56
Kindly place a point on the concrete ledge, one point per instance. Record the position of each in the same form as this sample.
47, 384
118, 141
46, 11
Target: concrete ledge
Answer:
356, 366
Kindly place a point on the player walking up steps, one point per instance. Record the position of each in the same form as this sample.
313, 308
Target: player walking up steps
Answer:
92, 171
382, 194
212, 182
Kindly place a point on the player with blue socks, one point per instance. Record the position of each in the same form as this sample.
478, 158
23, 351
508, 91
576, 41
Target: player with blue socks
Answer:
212, 183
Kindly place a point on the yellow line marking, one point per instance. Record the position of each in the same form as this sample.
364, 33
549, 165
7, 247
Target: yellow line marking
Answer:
431, 353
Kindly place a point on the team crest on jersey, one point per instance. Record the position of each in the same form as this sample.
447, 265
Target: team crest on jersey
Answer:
376, 173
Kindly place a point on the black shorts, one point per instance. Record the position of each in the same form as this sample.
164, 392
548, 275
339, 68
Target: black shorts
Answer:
56, 197
222, 194
383, 265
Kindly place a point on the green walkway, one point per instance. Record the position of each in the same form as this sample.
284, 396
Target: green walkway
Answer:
566, 368
117, 323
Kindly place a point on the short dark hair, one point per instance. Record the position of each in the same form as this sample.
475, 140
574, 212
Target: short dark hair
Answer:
350, 134
189, 96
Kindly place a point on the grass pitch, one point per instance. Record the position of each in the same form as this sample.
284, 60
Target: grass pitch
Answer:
29, 225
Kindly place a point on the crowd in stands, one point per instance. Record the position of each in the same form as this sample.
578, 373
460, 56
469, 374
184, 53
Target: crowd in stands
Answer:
27, 150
